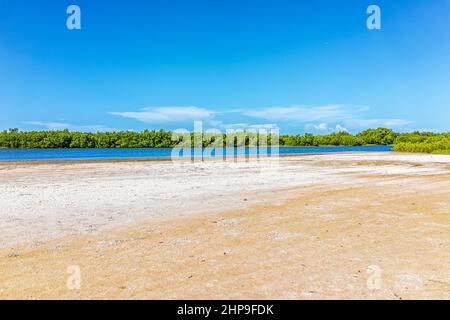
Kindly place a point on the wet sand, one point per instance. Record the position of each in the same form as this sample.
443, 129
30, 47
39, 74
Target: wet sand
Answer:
369, 225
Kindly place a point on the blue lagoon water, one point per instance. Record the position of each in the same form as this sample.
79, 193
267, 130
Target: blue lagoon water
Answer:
108, 154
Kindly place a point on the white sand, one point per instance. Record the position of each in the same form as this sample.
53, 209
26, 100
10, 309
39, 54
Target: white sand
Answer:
39, 202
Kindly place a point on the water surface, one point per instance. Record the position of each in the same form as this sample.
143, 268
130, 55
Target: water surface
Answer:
104, 154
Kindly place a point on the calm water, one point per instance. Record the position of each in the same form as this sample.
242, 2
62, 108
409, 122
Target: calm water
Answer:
99, 154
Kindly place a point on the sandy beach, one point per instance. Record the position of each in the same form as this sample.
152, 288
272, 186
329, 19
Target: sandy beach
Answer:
354, 225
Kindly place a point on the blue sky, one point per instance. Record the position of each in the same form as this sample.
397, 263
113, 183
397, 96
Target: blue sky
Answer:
297, 65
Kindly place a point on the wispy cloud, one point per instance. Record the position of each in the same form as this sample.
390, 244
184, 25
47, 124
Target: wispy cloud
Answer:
422, 130
72, 127
321, 117
248, 126
303, 114
326, 118
369, 123
188, 114
166, 115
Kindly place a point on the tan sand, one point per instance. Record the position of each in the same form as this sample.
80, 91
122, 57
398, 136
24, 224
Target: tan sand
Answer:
325, 226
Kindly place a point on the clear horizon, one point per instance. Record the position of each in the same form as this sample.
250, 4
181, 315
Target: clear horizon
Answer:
297, 66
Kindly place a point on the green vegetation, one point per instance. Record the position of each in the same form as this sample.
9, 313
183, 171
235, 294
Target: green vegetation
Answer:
405, 142
425, 142
66, 139
380, 136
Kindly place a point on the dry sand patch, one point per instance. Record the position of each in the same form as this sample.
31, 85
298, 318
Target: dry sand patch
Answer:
307, 241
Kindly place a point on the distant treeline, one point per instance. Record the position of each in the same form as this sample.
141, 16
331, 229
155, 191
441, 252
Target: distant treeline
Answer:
406, 142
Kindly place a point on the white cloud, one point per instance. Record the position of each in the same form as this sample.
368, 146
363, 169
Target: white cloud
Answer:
327, 118
340, 128
323, 127
350, 116
165, 115
72, 127
423, 130
248, 126
304, 114
370, 123
189, 114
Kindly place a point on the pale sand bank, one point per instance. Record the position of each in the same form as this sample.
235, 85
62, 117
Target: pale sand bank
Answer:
307, 229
